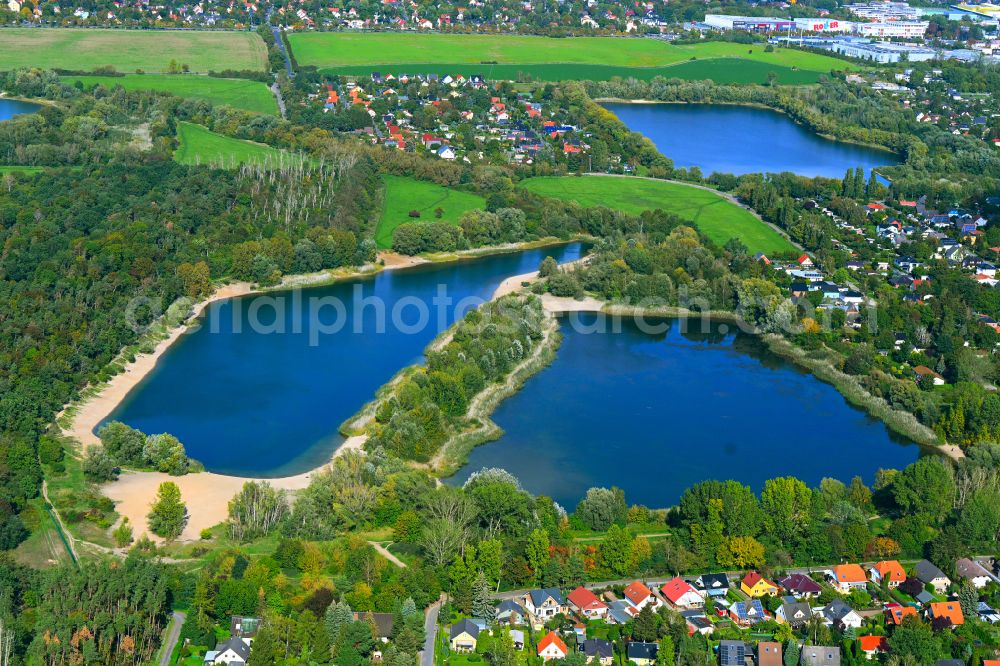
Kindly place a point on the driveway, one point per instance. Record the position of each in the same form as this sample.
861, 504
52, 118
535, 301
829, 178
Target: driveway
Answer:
430, 631
173, 634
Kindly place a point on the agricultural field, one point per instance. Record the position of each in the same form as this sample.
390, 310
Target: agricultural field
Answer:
576, 57
719, 70
405, 194
714, 215
238, 93
128, 50
198, 145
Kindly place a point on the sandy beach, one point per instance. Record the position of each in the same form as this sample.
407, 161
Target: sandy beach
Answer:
206, 494
552, 304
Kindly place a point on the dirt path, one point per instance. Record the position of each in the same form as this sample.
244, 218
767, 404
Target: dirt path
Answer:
384, 552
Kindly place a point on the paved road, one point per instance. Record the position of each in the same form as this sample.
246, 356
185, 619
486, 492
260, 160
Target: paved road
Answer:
173, 634
430, 630
276, 31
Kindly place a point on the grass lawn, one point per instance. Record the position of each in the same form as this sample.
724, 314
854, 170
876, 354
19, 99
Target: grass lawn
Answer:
715, 216
239, 93
128, 50
198, 145
405, 194
719, 70
20, 169
328, 49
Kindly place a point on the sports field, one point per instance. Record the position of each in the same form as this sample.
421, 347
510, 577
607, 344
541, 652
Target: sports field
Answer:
198, 145
128, 50
329, 49
719, 70
405, 194
239, 93
714, 215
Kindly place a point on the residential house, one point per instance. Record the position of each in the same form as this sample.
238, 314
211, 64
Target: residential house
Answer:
769, 653
733, 653
907, 264
642, 654
586, 603
805, 261
819, 655
839, 614
847, 577
974, 572
800, 586
463, 636
928, 574
446, 153
949, 610
680, 593
640, 596
517, 637
620, 612
544, 604
745, 613
755, 585
511, 612
231, 652
381, 622
714, 585
599, 650
896, 614
925, 374
794, 613
873, 645
552, 647
890, 571
235, 650
987, 614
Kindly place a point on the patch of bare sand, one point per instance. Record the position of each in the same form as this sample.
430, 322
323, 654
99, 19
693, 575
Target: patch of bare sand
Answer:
206, 494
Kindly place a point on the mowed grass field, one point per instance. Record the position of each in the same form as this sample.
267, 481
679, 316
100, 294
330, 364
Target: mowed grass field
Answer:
128, 50
239, 93
405, 194
714, 215
198, 145
720, 70
329, 49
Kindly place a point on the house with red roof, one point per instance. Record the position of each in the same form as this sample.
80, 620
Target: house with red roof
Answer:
949, 610
586, 603
890, 571
873, 645
639, 596
896, 614
552, 647
755, 585
847, 577
680, 593
804, 261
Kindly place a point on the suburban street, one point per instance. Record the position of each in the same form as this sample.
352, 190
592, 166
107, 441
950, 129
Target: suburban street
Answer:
430, 630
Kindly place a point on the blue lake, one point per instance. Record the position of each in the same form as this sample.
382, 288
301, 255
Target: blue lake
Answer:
12, 107
740, 139
268, 402
655, 413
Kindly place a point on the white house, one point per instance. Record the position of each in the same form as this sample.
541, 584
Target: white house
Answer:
974, 572
639, 596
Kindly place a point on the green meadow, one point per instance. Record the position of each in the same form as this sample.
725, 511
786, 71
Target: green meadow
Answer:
574, 57
405, 194
198, 145
714, 215
238, 93
719, 70
127, 50
4, 169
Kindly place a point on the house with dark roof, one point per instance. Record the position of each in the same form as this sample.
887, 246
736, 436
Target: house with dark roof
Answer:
620, 612
544, 604
642, 654
793, 613
713, 584
800, 586
234, 651
746, 613
381, 621
839, 614
511, 612
974, 572
463, 636
733, 653
597, 650
819, 655
928, 574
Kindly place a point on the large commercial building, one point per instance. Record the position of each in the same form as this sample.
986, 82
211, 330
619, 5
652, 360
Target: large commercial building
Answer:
884, 11
903, 29
881, 51
749, 23
822, 25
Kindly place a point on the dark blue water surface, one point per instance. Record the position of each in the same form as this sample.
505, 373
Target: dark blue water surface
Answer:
12, 107
270, 403
741, 139
655, 413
